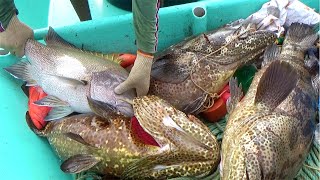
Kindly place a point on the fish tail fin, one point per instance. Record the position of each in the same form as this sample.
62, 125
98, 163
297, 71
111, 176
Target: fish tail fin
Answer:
276, 84
33, 127
301, 34
22, 70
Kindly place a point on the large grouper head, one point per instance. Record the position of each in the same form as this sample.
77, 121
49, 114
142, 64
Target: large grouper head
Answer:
241, 40
186, 74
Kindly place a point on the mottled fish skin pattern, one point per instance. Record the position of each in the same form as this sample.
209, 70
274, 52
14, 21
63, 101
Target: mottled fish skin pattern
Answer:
258, 144
116, 146
187, 158
211, 71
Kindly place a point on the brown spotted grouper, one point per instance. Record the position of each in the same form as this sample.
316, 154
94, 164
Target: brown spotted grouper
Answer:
89, 142
189, 75
269, 132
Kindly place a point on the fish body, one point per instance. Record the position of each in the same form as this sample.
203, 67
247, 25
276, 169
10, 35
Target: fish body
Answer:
269, 132
109, 147
190, 74
68, 75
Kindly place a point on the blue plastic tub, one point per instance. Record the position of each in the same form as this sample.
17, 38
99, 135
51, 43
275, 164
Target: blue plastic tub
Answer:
26, 156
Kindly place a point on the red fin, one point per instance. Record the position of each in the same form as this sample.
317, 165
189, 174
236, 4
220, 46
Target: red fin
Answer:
127, 60
141, 134
37, 113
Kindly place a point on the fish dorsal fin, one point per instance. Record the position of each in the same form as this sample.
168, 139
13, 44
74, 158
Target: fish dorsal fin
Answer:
236, 94
271, 53
79, 163
53, 39
276, 84
114, 57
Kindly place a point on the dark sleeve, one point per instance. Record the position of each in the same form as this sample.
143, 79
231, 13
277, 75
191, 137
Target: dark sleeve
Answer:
7, 10
145, 20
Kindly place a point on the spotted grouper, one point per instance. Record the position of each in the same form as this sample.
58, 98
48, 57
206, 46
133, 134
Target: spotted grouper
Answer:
89, 142
68, 75
269, 132
189, 75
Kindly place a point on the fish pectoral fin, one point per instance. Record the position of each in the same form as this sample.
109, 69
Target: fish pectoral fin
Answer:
156, 165
182, 137
271, 53
276, 84
21, 70
236, 94
51, 101
53, 39
58, 113
102, 109
79, 163
78, 138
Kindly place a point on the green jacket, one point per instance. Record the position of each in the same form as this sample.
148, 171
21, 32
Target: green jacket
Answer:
145, 20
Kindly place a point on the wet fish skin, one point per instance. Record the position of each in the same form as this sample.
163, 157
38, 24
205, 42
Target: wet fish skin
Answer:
264, 143
186, 74
70, 75
109, 147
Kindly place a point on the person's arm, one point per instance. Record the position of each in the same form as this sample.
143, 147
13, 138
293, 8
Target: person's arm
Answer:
145, 20
7, 11
13, 33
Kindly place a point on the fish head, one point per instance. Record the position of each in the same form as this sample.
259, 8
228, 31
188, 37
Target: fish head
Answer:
173, 128
246, 43
102, 85
240, 41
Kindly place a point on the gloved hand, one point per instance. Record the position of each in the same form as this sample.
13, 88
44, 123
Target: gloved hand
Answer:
14, 38
139, 77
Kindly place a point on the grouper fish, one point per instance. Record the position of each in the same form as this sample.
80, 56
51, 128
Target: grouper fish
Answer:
88, 142
269, 132
190, 74
68, 75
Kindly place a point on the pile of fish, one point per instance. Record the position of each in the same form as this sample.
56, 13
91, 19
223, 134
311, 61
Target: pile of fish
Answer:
268, 132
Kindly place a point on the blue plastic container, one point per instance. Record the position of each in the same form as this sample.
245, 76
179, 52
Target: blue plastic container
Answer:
26, 156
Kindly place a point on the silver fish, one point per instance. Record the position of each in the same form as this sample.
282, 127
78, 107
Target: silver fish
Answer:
68, 75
